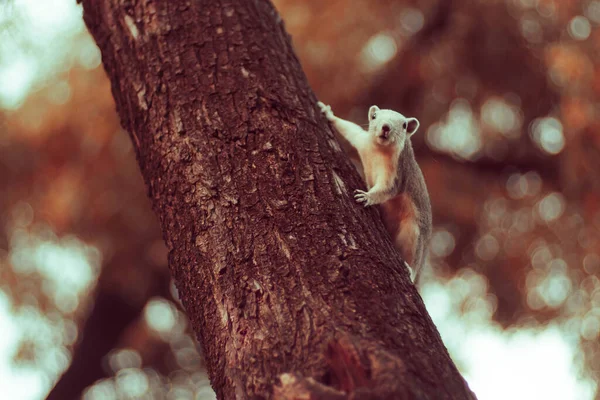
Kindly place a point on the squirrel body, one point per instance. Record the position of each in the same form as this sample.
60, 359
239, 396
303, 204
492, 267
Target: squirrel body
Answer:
393, 178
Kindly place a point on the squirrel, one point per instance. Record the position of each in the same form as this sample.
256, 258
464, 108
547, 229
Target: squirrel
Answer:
393, 177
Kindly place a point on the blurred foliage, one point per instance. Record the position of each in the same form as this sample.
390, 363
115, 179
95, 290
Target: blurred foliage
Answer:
507, 92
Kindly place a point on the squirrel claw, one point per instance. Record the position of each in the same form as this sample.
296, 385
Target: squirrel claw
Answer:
362, 197
325, 109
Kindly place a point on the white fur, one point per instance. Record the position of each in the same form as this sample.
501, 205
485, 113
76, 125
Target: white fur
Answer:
379, 155
380, 149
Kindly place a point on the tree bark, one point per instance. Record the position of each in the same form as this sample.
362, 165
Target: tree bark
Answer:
293, 289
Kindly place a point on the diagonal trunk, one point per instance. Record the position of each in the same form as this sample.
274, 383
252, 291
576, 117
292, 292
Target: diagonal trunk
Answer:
292, 288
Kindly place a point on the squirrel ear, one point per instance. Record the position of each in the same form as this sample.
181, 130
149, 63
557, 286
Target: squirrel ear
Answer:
412, 124
372, 110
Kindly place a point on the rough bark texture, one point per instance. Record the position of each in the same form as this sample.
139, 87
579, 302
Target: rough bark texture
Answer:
293, 289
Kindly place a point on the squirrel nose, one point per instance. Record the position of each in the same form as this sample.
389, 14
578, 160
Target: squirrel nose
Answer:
385, 130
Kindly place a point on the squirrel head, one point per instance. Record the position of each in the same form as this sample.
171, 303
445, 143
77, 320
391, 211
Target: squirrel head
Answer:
389, 128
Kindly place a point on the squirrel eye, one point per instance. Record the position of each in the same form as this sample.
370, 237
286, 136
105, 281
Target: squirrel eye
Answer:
374, 115
405, 125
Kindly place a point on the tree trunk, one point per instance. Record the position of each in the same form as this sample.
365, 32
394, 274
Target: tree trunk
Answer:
293, 289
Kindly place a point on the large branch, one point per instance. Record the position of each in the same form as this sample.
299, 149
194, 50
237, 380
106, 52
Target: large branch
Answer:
112, 314
102, 331
292, 288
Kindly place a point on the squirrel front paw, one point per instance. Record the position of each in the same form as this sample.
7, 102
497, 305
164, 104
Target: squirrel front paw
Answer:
363, 198
326, 110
